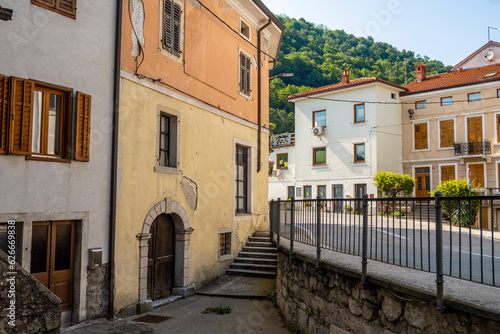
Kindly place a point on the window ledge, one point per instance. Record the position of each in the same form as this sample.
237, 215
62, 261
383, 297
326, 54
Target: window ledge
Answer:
248, 97
325, 166
47, 158
359, 164
360, 123
167, 170
423, 150
226, 257
444, 148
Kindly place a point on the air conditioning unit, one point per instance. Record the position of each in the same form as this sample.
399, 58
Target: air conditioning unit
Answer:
276, 173
318, 131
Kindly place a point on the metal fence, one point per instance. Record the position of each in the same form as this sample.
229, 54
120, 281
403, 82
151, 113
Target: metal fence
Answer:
453, 236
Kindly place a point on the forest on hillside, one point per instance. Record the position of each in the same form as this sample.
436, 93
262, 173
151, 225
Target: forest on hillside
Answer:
317, 55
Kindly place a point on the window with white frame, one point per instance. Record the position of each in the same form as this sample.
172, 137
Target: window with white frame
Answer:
420, 136
446, 133
245, 74
167, 156
172, 27
242, 195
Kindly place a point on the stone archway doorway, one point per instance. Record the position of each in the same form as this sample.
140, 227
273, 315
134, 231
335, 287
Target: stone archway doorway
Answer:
161, 257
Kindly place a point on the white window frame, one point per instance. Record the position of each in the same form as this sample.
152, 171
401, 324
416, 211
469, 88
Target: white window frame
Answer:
421, 121
250, 187
245, 22
445, 164
180, 57
229, 256
484, 171
472, 115
439, 132
172, 113
240, 51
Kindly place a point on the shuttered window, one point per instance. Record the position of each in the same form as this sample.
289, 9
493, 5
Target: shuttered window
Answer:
447, 173
21, 116
477, 175
82, 135
172, 27
64, 7
420, 131
4, 112
498, 128
447, 133
245, 62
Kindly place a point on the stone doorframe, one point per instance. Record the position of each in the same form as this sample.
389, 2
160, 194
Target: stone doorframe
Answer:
182, 238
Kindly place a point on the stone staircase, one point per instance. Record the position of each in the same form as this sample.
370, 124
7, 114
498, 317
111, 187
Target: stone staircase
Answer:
420, 212
258, 258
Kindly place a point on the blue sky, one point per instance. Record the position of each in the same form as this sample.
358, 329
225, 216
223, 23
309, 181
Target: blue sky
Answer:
444, 30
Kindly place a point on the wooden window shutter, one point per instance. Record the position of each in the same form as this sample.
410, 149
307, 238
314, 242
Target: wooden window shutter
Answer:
67, 6
420, 136
82, 128
51, 3
21, 116
498, 130
176, 28
167, 24
247, 68
242, 73
4, 112
447, 133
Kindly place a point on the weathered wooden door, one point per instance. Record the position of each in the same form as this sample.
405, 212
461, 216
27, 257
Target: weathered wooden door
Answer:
422, 182
52, 258
161, 256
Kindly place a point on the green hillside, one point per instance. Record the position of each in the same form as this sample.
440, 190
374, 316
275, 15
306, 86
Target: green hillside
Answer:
317, 55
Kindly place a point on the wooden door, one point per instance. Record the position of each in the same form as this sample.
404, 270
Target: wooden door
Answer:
52, 258
422, 182
359, 191
338, 192
474, 134
161, 256
477, 175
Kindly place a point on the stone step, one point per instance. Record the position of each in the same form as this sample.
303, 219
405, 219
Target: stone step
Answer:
253, 266
253, 273
261, 234
259, 249
259, 244
258, 255
256, 260
259, 239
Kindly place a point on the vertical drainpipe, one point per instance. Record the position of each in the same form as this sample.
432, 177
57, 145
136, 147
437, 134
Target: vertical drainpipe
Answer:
259, 97
114, 157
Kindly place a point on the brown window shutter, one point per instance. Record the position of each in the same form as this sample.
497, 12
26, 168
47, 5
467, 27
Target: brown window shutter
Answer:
50, 3
66, 6
447, 130
21, 116
4, 112
248, 75
498, 130
82, 135
167, 25
176, 28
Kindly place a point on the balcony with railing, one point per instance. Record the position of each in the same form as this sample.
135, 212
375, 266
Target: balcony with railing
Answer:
283, 139
473, 148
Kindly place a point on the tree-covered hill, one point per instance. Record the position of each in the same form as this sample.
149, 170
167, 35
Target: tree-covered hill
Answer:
317, 55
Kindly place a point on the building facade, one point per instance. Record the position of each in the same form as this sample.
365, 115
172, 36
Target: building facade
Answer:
193, 141
56, 83
342, 139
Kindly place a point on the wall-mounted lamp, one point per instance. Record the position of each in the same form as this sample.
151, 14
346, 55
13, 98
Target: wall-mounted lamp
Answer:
5, 14
411, 112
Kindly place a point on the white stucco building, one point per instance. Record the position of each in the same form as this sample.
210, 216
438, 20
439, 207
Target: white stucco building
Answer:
344, 134
56, 108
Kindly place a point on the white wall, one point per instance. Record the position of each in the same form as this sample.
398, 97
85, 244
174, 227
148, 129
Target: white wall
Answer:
278, 186
46, 46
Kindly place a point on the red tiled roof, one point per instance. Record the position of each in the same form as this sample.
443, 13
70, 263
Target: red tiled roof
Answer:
340, 85
453, 79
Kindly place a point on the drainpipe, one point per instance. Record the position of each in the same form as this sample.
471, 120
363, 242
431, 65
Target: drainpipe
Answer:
114, 157
259, 98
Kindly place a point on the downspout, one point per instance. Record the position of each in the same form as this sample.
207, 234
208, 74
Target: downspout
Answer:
114, 157
259, 97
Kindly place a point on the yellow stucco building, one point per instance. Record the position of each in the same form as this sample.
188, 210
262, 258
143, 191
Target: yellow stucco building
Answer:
192, 140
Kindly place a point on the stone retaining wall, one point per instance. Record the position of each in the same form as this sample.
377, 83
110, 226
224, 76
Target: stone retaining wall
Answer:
37, 309
323, 301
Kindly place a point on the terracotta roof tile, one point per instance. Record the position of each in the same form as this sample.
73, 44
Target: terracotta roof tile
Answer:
340, 85
454, 79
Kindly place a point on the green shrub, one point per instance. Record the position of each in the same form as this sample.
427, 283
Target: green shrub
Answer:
462, 212
393, 184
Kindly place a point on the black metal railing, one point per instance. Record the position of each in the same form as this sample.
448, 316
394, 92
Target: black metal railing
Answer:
407, 232
473, 148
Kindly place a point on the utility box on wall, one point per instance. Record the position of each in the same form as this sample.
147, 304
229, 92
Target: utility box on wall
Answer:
95, 258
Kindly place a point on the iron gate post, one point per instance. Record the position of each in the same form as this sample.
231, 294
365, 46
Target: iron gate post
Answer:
318, 231
292, 226
278, 223
439, 252
364, 250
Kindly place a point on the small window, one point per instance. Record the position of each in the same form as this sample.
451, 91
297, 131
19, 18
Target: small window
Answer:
359, 113
322, 192
446, 101
319, 156
359, 153
319, 118
245, 67
291, 192
420, 104
498, 92
420, 136
474, 97
64, 7
241, 179
172, 27
244, 29
393, 96
224, 244
282, 161
168, 141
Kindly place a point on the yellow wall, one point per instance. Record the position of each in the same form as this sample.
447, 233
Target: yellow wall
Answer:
206, 153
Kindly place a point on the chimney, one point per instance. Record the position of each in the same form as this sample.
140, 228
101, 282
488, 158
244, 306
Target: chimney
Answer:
345, 77
421, 72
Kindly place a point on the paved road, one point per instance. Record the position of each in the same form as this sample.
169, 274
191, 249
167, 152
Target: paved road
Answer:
407, 243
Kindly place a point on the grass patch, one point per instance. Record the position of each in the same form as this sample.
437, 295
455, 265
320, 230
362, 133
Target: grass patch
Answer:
218, 309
